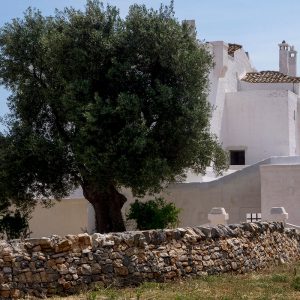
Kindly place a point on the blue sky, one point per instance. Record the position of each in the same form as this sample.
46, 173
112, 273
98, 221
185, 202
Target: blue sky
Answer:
258, 25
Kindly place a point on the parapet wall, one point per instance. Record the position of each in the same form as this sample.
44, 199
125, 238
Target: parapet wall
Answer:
56, 265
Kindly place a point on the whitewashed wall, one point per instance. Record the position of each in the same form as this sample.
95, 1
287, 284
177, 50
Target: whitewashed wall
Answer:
258, 121
280, 186
245, 86
69, 216
224, 78
256, 187
256, 117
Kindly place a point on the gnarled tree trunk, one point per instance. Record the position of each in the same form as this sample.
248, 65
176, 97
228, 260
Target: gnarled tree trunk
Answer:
107, 205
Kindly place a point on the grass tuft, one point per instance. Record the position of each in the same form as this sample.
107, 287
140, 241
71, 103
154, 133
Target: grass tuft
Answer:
279, 282
296, 283
279, 278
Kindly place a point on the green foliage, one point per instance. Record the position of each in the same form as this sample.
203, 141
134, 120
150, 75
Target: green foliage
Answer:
153, 214
279, 278
91, 295
101, 101
14, 225
296, 283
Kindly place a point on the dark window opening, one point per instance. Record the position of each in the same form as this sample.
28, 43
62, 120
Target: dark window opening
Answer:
253, 217
237, 157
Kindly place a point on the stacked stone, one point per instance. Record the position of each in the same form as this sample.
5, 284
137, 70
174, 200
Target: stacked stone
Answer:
57, 266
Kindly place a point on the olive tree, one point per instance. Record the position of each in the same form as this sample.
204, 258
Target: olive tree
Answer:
102, 102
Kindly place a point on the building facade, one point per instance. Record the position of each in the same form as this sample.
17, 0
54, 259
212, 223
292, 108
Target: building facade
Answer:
256, 113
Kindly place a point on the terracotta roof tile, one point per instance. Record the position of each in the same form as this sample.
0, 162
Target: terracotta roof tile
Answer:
232, 48
269, 77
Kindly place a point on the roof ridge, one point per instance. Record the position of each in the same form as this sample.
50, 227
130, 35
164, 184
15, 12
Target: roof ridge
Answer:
269, 77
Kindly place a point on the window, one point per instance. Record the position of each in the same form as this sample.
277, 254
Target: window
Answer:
237, 157
253, 217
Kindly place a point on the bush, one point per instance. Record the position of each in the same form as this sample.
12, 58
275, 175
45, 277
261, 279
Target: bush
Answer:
154, 214
14, 225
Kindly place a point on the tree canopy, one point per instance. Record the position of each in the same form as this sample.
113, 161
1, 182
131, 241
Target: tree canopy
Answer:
101, 102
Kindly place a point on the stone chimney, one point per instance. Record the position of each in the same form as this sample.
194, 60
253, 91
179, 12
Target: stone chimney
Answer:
287, 59
292, 62
192, 25
283, 58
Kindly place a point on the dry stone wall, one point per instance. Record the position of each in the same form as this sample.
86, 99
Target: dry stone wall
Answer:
56, 265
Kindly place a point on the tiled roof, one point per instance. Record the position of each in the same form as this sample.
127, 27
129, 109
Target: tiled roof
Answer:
232, 48
269, 77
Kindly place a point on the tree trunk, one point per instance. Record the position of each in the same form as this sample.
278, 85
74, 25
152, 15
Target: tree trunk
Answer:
107, 205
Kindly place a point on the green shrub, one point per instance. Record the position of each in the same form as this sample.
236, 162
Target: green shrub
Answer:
14, 225
154, 214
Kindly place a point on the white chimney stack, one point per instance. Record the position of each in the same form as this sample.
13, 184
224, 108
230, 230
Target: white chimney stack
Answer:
287, 59
192, 26
283, 57
292, 62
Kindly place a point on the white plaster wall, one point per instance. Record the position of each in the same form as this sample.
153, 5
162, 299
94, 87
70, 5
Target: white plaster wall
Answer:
218, 94
217, 81
246, 86
256, 117
258, 121
238, 66
224, 78
238, 193
68, 216
298, 128
292, 112
280, 186
220, 56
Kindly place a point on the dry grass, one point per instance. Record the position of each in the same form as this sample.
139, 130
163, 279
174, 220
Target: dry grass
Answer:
282, 282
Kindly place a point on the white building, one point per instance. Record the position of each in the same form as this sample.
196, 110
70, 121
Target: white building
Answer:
256, 113
257, 120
